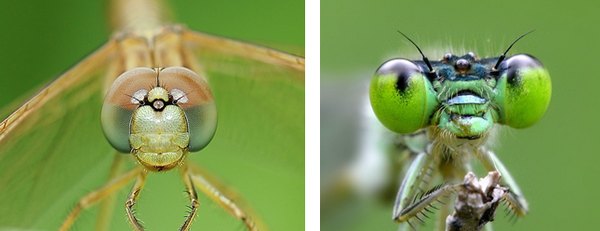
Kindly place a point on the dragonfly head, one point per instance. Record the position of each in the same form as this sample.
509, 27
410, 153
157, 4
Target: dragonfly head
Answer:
461, 95
466, 95
159, 122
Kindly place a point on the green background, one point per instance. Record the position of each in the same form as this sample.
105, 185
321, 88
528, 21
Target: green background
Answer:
40, 41
555, 161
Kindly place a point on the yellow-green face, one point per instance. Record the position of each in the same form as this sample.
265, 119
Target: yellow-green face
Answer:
159, 136
158, 125
464, 95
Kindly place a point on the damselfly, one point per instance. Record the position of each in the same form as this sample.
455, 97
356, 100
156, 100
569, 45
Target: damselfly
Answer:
454, 104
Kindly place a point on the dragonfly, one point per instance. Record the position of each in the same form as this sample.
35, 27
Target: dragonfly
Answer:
54, 151
447, 111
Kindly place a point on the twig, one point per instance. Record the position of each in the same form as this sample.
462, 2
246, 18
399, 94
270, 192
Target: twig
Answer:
476, 202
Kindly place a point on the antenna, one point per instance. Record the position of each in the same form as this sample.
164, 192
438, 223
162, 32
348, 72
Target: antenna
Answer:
511, 45
425, 59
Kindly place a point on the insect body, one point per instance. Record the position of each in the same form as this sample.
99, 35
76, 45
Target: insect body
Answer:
457, 100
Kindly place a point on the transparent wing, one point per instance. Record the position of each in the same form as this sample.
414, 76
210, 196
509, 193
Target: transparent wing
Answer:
259, 144
52, 149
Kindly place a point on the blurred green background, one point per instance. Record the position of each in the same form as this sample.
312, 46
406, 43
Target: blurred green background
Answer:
40, 41
554, 162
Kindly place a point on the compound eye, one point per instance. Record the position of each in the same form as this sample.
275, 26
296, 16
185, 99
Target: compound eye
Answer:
517, 66
526, 89
192, 93
128, 92
401, 97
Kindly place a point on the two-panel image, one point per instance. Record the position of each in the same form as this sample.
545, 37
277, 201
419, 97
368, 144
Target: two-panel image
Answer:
205, 115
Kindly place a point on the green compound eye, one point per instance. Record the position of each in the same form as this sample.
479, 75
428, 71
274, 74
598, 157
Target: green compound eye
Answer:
401, 96
523, 91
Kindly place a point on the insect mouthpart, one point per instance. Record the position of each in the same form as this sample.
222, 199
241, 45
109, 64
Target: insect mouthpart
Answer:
465, 126
466, 115
466, 97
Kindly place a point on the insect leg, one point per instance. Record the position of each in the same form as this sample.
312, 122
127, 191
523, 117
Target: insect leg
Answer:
94, 196
515, 197
216, 192
452, 170
417, 177
132, 198
189, 186
108, 204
